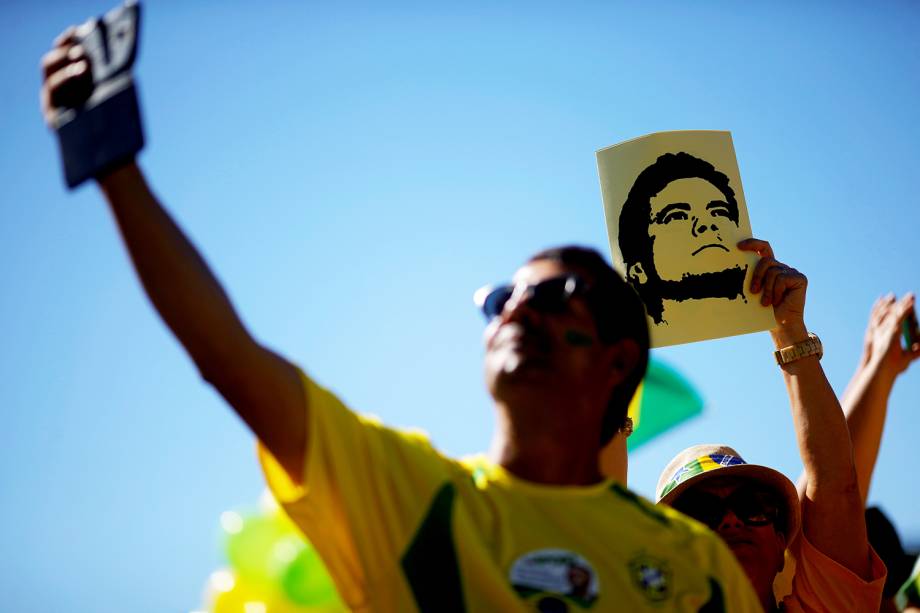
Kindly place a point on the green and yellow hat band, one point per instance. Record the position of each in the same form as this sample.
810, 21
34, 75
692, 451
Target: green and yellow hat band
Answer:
699, 466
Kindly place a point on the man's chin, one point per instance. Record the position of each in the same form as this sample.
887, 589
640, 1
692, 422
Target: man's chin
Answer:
520, 373
527, 366
728, 283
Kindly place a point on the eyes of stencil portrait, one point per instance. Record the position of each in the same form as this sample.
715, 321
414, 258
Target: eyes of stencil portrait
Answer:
688, 223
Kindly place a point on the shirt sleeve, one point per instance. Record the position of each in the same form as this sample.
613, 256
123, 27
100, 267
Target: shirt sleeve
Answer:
821, 584
365, 488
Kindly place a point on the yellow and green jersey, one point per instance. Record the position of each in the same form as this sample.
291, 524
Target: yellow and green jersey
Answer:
403, 528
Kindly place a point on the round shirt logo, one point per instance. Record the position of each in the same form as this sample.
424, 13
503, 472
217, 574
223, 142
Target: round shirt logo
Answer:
652, 576
555, 577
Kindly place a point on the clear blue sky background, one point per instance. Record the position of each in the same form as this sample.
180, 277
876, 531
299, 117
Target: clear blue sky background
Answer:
354, 174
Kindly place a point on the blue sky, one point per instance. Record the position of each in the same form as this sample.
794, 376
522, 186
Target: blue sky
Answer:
353, 173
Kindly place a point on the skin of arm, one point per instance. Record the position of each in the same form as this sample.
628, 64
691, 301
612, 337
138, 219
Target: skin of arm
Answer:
865, 401
832, 512
263, 388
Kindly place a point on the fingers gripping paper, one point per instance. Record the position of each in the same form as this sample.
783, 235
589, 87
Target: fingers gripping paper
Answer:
675, 212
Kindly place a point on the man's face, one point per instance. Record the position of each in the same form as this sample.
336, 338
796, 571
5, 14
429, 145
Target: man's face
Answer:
533, 352
687, 225
759, 548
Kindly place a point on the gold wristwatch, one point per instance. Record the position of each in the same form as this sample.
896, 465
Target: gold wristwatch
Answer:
810, 346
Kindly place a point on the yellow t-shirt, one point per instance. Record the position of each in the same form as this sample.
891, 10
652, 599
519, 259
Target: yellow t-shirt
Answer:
403, 528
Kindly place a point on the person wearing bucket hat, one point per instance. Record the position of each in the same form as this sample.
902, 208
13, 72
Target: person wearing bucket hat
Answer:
757, 510
699, 482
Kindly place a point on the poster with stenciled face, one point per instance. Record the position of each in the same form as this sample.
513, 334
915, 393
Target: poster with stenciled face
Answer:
675, 213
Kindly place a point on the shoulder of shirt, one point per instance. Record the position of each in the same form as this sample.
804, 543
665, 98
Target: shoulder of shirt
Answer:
662, 514
324, 400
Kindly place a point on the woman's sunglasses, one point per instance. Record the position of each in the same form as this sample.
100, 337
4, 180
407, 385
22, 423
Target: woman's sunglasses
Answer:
753, 506
549, 296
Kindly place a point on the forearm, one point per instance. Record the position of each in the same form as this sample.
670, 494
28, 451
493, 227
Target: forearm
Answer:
832, 510
262, 387
865, 404
175, 277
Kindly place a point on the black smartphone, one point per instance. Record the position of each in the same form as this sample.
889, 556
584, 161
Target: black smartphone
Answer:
909, 330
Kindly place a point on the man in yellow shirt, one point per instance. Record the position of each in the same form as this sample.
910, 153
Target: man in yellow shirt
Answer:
530, 526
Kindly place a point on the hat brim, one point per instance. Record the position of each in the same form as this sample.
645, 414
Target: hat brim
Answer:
774, 479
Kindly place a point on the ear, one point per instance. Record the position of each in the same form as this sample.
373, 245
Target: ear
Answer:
635, 274
623, 358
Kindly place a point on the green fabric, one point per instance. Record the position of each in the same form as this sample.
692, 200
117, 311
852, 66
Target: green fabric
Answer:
430, 562
648, 509
716, 602
690, 470
667, 400
909, 594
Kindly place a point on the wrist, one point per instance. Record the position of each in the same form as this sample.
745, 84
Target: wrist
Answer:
112, 172
880, 371
797, 351
789, 333
118, 176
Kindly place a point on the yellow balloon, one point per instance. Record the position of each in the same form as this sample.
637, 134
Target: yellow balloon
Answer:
228, 593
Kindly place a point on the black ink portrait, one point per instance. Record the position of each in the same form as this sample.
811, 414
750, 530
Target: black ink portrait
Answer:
671, 234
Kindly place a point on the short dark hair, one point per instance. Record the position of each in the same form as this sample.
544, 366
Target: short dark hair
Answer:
635, 217
618, 314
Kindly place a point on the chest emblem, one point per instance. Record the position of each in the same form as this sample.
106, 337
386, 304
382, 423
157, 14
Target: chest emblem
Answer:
555, 575
651, 576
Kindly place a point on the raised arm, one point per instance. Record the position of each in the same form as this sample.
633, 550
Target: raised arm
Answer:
832, 512
262, 387
865, 401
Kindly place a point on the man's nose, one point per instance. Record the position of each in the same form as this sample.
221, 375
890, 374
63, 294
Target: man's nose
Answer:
518, 306
698, 228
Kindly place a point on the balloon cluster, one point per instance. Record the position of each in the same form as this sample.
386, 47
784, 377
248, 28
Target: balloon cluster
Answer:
271, 567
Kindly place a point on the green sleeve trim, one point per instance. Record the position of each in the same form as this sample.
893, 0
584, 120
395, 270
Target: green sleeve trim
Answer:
716, 602
430, 561
646, 508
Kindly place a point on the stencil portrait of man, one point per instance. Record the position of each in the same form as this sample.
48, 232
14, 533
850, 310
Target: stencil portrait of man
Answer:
677, 235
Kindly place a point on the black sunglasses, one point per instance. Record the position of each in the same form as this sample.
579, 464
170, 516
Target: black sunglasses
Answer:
753, 506
549, 296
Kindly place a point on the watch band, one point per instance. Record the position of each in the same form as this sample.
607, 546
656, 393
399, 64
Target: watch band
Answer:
810, 346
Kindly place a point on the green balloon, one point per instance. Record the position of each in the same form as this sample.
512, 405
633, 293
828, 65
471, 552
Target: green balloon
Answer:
250, 546
306, 581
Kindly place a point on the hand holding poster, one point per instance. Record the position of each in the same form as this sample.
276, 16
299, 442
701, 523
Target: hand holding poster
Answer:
675, 212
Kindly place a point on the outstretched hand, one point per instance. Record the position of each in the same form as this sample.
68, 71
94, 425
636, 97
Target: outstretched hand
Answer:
882, 345
67, 78
779, 285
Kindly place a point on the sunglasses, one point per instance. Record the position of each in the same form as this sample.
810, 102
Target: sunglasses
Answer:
549, 296
753, 506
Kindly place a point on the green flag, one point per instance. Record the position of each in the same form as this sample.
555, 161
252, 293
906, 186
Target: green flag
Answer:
664, 399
